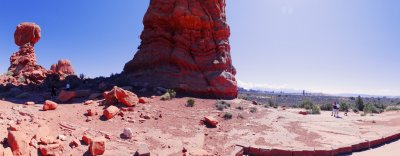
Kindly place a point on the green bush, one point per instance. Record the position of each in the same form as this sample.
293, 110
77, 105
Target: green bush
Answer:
370, 108
221, 105
271, 103
170, 94
21, 79
307, 105
344, 106
326, 107
190, 102
9, 73
315, 110
393, 108
253, 109
227, 116
359, 103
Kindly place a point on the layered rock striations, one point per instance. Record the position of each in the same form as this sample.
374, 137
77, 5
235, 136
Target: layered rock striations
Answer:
23, 66
185, 46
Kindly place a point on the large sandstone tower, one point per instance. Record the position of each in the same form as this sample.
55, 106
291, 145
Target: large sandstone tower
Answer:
185, 46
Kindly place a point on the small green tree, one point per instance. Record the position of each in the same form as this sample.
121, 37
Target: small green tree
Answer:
344, 106
359, 103
307, 104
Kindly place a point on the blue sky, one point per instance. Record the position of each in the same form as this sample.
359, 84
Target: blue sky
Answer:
331, 46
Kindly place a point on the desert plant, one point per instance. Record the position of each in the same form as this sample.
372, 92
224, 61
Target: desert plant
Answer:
227, 115
344, 106
393, 108
190, 102
221, 105
315, 110
326, 107
271, 103
82, 76
307, 104
9, 73
253, 109
359, 103
239, 108
166, 96
171, 92
370, 108
21, 79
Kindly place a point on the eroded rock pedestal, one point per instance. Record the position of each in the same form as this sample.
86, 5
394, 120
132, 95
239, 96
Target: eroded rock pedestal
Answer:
23, 67
185, 46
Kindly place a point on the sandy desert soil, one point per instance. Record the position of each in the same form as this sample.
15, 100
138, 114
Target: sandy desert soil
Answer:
171, 127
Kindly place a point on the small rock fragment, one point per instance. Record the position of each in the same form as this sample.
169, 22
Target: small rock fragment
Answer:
49, 105
143, 150
110, 112
97, 146
128, 133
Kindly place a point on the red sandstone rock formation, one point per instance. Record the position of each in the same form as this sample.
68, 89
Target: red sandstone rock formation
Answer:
185, 46
63, 67
23, 68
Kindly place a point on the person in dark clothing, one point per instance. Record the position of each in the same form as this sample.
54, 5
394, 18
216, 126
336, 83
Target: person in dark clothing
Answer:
53, 91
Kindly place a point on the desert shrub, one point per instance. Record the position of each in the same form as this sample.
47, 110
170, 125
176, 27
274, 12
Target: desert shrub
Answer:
381, 107
239, 108
244, 97
166, 96
253, 109
307, 105
21, 79
82, 76
370, 108
190, 102
344, 106
22, 96
315, 110
221, 105
271, 103
326, 107
227, 115
9, 73
170, 94
266, 106
359, 103
392, 108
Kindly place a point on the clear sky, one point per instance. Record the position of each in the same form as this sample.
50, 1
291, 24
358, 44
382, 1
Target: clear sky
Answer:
331, 46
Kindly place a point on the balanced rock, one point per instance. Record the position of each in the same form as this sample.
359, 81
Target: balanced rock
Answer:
27, 33
185, 46
23, 66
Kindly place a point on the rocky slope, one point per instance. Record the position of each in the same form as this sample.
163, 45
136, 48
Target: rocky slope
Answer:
185, 46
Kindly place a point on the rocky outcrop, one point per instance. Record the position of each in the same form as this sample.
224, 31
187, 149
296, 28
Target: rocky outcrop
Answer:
62, 67
24, 68
185, 47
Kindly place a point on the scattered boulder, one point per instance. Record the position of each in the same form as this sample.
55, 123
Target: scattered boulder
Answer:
48, 140
110, 112
74, 143
51, 149
143, 150
117, 94
66, 96
211, 121
87, 139
18, 142
49, 105
144, 100
128, 133
62, 137
91, 112
97, 146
